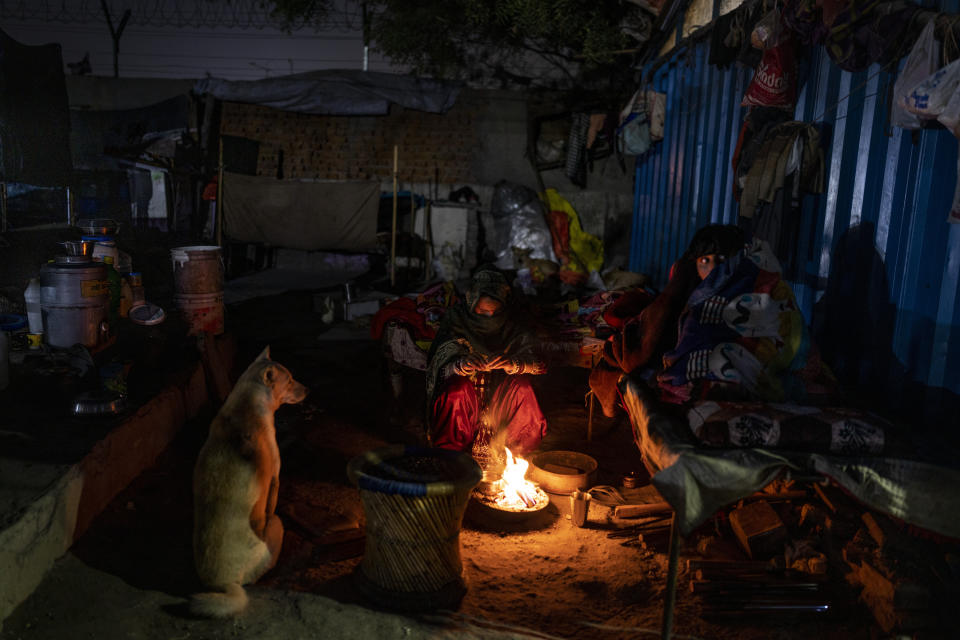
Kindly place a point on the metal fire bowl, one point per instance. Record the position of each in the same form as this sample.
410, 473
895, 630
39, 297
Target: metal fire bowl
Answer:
484, 511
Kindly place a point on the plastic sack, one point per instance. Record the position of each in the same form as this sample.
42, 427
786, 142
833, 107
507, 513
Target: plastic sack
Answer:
518, 221
929, 98
766, 33
774, 82
922, 62
633, 136
633, 130
585, 249
657, 113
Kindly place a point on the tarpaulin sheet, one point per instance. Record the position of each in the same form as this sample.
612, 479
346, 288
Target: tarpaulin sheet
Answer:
697, 481
336, 92
310, 216
34, 122
127, 132
99, 93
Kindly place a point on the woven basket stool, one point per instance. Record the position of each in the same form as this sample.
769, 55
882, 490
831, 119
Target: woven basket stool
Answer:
414, 499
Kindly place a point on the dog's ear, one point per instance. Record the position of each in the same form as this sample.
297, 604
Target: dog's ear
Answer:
265, 354
269, 375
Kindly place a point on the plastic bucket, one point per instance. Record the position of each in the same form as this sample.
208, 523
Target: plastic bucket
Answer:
197, 269
203, 312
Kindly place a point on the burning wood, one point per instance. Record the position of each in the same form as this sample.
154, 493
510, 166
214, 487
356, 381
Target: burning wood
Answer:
515, 490
512, 491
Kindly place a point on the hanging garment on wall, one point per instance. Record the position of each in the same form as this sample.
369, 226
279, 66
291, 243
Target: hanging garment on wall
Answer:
34, 121
778, 224
788, 148
862, 32
756, 126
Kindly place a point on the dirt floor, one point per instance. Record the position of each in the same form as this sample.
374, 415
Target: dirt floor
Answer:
129, 575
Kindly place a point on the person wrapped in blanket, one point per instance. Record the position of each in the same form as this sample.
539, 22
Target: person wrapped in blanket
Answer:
741, 336
478, 374
652, 331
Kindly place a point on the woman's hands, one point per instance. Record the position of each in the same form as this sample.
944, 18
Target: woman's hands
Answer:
472, 363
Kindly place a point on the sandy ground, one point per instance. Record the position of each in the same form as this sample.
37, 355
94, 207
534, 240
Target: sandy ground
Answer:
130, 574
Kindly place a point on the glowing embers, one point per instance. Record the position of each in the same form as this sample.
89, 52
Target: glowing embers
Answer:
513, 492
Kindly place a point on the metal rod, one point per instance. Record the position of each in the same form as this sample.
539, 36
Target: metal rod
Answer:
3, 206
428, 236
219, 214
670, 598
393, 228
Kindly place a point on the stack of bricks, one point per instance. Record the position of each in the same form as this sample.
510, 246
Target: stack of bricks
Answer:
359, 147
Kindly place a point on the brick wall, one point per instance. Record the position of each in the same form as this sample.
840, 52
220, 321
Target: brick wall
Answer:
360, 147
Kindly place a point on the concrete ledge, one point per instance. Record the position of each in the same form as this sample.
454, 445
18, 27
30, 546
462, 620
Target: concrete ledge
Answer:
46, 507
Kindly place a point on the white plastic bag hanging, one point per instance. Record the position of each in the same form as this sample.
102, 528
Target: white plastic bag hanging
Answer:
929, 98
950, 116
766, 33
923, 61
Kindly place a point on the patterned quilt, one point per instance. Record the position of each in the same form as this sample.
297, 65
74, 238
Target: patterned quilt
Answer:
792, 427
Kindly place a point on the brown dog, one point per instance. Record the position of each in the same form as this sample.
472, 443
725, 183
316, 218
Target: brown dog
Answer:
236, 534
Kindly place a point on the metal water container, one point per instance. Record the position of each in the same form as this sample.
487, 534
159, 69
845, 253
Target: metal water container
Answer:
74, 301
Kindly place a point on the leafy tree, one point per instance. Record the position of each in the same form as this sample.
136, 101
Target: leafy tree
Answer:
500, 40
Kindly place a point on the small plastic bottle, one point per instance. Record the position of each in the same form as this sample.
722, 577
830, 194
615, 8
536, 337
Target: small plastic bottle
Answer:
113, 282
32, 297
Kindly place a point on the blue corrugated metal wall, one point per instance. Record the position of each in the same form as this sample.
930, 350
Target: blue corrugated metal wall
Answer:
879, 264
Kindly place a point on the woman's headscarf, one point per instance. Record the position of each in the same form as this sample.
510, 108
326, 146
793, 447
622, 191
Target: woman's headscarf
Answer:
464, 331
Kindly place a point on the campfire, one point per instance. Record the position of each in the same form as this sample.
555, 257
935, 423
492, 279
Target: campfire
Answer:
513, 492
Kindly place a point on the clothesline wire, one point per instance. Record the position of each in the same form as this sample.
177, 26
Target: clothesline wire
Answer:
836, 104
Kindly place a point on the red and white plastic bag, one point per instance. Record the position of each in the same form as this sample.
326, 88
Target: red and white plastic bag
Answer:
774, 81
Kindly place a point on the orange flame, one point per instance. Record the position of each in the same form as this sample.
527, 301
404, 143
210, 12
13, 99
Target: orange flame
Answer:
517, 491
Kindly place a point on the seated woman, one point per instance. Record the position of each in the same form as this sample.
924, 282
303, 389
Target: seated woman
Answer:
485, 337
741, 336
653, 331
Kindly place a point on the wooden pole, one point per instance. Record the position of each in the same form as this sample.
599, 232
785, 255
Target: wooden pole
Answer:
218, 223
670, 597
393, 228
413, 217
3, 206
428, 237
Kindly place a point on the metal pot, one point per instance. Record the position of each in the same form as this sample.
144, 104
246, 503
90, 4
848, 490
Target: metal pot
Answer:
74, 302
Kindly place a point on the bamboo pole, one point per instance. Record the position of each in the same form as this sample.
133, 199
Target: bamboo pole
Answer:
219, 215
3, 206
428, 236
393, 227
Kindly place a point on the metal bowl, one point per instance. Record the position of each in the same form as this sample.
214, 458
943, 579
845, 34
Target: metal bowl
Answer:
98, 226
98, 403
562, 472
78, 247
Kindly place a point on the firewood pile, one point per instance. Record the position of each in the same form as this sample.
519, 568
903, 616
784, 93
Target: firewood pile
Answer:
806, 549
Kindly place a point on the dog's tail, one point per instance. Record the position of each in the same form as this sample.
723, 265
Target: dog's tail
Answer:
216, 604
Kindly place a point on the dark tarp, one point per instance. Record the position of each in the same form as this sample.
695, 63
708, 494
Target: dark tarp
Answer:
127, 132
34, 122
97, 93
310, 216
336, 92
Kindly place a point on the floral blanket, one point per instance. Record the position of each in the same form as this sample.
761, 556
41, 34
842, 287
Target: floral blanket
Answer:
742, 336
